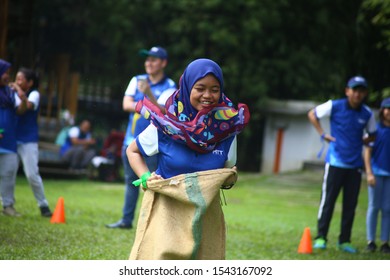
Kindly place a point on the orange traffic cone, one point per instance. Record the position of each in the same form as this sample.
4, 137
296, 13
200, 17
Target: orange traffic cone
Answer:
305, 246
58, 216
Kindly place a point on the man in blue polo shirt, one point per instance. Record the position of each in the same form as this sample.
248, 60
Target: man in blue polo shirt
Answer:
350, 118
157, 87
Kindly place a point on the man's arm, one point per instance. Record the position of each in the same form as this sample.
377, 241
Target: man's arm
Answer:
128, 104
367, 164
23, 105
144, 87
317, 125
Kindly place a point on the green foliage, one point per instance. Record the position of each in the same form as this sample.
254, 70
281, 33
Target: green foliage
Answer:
268, 49
301, 50
375, 37
265, 218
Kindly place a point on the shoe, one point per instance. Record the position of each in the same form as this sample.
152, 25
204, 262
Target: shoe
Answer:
347, 247
45, 211
319, 243
120, 225
371, 246
10, 211
385, 248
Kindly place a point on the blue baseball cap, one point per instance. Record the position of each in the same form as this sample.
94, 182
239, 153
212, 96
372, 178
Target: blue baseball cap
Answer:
155, 52
357, 81
385, 103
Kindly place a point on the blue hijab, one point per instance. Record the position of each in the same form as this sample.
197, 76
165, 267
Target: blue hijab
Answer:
195, 71
200, 130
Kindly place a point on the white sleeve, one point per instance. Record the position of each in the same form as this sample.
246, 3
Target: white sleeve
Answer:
323, 110
232, 155
74, 132
371, 125
148, 139
132, 87
17, 100
165, 95
34, 99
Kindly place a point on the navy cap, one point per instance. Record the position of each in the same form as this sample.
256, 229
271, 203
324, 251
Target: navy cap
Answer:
155, 52
357, 81
385, 103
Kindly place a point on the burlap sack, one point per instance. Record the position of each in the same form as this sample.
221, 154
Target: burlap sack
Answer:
181, 218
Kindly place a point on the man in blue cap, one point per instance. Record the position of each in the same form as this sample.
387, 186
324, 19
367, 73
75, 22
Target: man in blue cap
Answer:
349, 119
157, 87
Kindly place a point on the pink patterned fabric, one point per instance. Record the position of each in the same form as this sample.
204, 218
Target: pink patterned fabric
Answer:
202, 130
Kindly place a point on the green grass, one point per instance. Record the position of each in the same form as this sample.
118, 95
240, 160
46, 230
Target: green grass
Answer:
265, 217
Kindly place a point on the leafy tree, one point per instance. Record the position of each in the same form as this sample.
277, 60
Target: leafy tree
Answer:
268, 49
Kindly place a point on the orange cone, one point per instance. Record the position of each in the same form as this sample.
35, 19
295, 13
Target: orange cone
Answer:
58, 216
305, 246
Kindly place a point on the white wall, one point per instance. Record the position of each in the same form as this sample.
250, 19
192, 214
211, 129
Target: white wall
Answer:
300, 142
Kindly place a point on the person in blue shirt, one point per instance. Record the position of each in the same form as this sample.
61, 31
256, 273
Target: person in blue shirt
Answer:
349, 119
156, 86
27, 136
11, 103
377, 163
198, 131
78, 149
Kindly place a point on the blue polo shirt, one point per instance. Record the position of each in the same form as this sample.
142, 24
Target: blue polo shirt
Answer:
175, 158
137, 123
380, 158
347, 125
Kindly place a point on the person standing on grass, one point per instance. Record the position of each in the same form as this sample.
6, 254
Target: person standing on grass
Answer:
377, 162
152, 85
27, 136
11, 104
197, 131
349, 118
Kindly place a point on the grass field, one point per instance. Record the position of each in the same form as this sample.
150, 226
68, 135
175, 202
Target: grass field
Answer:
265, 217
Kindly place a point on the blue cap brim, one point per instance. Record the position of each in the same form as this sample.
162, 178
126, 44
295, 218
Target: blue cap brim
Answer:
146, 53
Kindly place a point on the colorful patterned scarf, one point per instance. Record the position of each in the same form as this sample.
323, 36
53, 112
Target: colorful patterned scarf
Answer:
201, 131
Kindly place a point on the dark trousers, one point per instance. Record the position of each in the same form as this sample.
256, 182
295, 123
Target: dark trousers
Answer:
335, 180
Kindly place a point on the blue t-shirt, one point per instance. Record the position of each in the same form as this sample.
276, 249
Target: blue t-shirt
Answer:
347, 126
175, 158
74, 132
380, 159
137, 123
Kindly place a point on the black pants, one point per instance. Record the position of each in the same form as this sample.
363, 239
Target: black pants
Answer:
335, 179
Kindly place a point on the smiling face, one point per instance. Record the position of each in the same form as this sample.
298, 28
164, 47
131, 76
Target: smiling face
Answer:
154, 65
205, 92
22, 81
385, 116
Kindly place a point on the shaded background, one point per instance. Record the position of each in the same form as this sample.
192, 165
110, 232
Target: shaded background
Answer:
87, 51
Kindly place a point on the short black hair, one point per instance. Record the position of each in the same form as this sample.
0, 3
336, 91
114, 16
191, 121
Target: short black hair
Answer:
30, 75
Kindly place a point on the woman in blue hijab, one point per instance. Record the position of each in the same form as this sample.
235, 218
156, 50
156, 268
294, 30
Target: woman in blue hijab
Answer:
10, 104
196, 144
198, 131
